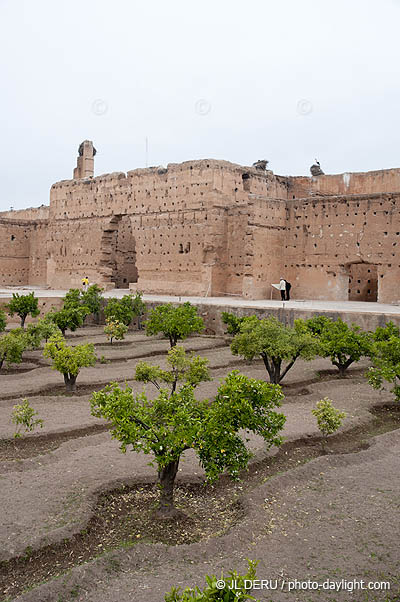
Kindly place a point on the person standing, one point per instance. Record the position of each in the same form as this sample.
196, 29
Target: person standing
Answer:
288, 287
282, 288
85, 283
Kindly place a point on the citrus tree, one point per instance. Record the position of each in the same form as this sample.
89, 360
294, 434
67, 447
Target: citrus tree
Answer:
23, 306
175, 323
92, 299
343, 344
139, 308
115, 330
232, 322
12, 346
69, 317
329, 418
181, 368
278, 345
25, 417
233, 587
120, 309
385, 357
69, 360
3, 320
176, 421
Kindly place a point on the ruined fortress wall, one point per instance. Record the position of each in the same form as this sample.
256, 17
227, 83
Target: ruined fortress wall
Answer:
370, 182
335, 246
211, 228
30, 214
182, 227
14, 252
38, 253
265, 244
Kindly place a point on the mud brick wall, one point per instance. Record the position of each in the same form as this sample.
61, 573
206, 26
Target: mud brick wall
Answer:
334, 246
23, 236
371, 182
171, 230
15, 237
213, 228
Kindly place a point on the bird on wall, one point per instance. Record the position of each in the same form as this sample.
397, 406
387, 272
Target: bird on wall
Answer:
315, 169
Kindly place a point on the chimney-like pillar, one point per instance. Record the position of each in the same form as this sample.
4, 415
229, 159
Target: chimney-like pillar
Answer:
85, 163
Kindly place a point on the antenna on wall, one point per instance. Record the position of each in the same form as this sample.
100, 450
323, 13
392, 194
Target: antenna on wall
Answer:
147, 152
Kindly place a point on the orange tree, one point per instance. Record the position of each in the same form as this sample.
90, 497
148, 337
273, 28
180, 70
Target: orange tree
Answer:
175, 420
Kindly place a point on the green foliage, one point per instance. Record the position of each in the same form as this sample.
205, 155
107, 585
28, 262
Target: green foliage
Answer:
72, 298
175, 421
45, 327
328, 417
343, 344
386, 332
120, 309
3, 320
92, 299
317, 324
385, 357
232, 321
70, 316
69, 360
12, 346
212, 593
88, 302
275, 343
23, 416
189, 369
175, 323
115, 330
139, 307
35, 333
23, 306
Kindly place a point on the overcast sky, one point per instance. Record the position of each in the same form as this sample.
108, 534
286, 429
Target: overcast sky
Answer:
284, 80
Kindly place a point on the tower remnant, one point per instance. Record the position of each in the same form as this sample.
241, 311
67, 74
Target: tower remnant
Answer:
85, 163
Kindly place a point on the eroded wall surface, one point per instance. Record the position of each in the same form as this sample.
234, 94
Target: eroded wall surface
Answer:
189, 227
329, 241
213, 228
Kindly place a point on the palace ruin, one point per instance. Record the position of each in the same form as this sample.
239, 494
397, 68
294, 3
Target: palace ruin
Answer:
211, 228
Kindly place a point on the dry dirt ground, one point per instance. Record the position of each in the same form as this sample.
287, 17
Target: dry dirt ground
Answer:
304, 515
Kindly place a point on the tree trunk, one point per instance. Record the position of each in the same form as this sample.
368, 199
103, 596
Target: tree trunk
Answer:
268, 367
277, 371
23, 318
166, 481
342, 370
70, 382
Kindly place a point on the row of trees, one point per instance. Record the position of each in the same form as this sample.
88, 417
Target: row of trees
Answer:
77, 305
176, 420
280, 346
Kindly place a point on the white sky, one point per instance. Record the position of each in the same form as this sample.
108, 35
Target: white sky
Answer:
150, 62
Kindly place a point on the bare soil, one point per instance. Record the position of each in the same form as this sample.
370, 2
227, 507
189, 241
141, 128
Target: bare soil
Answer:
74, 507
